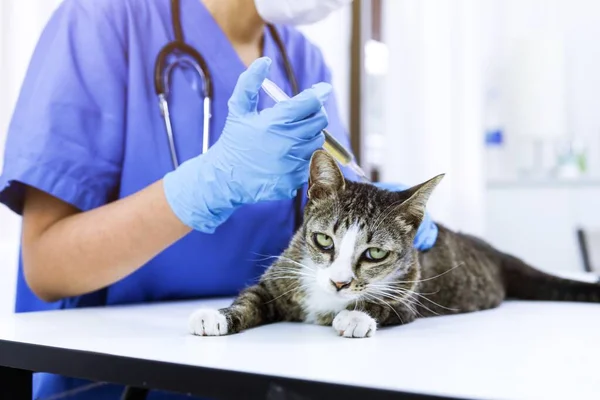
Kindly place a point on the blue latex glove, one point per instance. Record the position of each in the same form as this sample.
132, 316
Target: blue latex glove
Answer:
258, 157
428, 230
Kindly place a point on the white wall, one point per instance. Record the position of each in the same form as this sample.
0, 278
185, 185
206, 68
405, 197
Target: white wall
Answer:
434, 104
441, 55
577, 22
19, 31
517, 219
580, 22
582, 19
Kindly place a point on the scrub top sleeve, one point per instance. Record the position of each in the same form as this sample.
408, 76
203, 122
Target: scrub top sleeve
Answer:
67, 131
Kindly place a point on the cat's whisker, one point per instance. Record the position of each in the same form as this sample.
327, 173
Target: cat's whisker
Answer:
292, 279
419, 303
264, 257
294, 289
435, 277
430, 293
296, 263
283, 294
412, 306
389, 291
401, 298
376, 299
397, 299
284, 258
286, 274
431, 301
280, 272
288, 277
387, 288
394, 296
280, 278
280, 267
413, 293
403, 292
376, 284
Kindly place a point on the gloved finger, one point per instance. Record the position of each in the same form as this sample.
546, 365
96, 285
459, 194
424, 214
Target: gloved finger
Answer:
304, 151
290, 183
305, 129
305, 104
244, 98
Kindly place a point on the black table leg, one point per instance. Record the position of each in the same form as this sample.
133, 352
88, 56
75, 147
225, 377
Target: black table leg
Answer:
15, 384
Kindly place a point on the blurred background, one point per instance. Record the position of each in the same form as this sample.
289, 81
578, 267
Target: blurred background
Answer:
501, 95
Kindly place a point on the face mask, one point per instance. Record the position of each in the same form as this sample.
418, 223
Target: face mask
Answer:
297, 12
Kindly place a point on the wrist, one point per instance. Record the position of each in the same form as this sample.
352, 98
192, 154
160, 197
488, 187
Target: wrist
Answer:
198, 194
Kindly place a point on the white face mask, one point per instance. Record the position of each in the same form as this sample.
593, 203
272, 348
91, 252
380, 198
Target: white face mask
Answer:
297, 12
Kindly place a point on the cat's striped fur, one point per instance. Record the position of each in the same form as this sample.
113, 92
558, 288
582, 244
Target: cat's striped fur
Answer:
459, 274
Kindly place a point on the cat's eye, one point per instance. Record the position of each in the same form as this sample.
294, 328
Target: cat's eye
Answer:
323, 241
376, 254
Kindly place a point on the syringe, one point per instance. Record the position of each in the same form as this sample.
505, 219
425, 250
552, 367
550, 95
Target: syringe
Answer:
332, 146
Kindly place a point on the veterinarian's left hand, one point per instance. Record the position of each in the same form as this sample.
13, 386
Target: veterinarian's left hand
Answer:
428, 230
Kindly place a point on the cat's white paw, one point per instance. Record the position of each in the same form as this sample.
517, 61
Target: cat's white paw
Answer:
207, 322
354, 324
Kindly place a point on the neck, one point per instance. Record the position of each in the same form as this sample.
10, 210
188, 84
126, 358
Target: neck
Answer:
239, 20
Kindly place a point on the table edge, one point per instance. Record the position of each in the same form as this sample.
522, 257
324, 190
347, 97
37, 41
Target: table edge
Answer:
182, 378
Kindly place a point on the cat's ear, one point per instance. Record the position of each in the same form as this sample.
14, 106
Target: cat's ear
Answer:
412, 210
325, 177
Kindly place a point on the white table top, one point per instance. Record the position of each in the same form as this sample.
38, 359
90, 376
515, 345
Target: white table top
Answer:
522, 350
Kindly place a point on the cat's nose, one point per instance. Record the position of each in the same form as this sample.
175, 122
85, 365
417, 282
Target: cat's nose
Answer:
341, 285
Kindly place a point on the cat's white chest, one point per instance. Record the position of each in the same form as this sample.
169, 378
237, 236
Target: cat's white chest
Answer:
318, 302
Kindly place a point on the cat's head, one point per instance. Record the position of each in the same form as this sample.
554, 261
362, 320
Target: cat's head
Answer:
358, 237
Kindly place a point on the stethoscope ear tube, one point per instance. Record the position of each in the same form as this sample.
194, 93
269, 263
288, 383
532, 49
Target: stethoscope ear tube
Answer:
179, 49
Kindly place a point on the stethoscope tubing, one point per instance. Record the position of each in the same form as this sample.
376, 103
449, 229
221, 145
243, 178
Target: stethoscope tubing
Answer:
162, 73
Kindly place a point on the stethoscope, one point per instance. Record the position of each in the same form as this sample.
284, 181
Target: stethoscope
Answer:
188, 56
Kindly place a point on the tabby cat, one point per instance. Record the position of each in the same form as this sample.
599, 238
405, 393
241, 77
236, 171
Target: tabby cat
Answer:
352, 265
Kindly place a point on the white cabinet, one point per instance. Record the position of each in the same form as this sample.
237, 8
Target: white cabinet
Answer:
537, 221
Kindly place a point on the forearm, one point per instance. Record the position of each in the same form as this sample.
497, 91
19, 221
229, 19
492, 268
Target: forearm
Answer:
88, 251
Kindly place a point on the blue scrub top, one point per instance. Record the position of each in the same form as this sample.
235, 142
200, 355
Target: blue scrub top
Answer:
87, 130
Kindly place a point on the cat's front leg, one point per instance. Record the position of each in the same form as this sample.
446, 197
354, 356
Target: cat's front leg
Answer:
253, 307
354, 324
361, 324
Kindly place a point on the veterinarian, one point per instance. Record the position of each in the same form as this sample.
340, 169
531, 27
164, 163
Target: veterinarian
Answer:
140, 163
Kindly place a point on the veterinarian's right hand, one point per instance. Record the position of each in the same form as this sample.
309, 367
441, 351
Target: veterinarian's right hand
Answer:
258, 157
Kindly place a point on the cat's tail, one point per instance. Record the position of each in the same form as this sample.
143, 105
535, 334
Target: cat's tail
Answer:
527, 283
